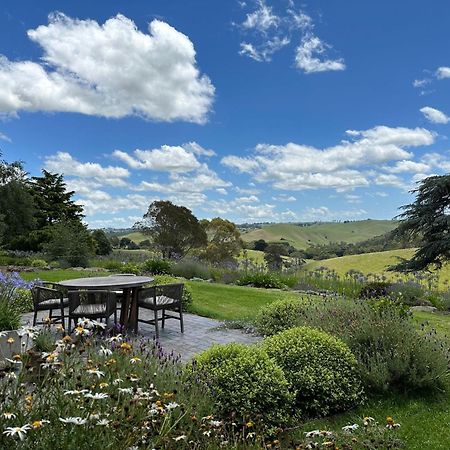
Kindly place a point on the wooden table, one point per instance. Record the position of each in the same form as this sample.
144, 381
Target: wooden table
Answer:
129, 286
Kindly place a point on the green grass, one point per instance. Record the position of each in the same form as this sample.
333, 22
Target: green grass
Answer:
375, 263
135, 236
322, 233
227, 302
439, 322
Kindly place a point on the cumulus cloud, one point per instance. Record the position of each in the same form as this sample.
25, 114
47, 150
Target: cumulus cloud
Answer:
110, 70
262, 18
408, 166
297, 167
434, 115
66, 164
323, 213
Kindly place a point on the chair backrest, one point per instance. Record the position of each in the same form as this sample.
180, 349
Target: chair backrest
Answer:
91, 297
173, 291
147, 293
41, 294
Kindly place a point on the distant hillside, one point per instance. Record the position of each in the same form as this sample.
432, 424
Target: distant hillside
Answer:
302, 236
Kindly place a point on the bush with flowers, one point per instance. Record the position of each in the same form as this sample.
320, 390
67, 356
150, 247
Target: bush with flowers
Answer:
101, 391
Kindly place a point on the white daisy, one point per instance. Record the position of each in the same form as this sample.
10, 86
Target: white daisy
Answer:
19, 431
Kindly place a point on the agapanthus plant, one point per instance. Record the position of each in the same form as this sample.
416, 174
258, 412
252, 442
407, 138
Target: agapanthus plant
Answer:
10, 286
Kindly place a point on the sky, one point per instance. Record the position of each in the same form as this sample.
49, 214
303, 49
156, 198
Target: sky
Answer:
255, 110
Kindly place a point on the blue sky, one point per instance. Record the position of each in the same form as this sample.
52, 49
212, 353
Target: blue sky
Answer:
254, 111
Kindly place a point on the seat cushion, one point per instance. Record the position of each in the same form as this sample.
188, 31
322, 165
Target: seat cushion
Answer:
161, 300
54, 303
91, 309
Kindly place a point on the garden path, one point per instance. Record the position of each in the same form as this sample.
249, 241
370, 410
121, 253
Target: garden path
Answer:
199, 334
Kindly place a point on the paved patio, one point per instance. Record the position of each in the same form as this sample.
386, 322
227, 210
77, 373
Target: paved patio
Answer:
199, 334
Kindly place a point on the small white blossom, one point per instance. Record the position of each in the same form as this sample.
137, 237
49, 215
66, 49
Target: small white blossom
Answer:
96, 372
96, 396
172, 405
350, 428
73, 420
19, 431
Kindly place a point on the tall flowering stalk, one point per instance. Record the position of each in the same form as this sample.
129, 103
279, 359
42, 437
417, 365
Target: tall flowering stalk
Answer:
10, 284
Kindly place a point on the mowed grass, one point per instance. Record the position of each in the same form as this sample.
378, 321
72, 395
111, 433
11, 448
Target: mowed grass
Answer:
376, 263
321, 233
60, 275
228, 302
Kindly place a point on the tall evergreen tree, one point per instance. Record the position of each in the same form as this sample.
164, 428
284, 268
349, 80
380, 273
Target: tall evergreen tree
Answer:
429, 218
53, 202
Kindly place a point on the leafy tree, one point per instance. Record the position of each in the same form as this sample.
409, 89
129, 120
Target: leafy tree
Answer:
53, 202
125, 242
224, 241
71, 243
173, 229
260, 245
115, 241
429, 218
273, 257
11, 171
102, 244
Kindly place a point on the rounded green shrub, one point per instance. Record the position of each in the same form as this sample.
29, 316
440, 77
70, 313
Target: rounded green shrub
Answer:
278, 316
320, 369
245, 382
39, 263
157, 266
375, 289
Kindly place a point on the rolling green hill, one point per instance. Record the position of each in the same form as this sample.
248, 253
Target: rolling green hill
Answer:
321, 233
375, 263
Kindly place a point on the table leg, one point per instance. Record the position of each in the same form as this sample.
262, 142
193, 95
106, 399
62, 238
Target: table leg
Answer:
133, 310
125, 310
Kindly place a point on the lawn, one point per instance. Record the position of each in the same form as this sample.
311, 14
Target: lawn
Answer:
228, 302
60, 274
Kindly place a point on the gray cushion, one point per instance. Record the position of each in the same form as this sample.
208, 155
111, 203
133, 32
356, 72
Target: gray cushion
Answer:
161, 300
54, 302
90, 309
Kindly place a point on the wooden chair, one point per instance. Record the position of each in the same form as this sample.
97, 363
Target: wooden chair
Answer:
164, 298
92, 304
49, 299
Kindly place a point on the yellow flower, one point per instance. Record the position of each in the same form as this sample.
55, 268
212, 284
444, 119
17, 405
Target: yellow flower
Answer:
38, 424
29, 398
103, 385
249, 424
10, 340
67, 339
126, 346
60, 328
16, 357
110, 362
135, 360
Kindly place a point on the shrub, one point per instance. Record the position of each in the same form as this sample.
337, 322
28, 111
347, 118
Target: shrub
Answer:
265, 280
39, 263
391, 353
375, 289
409, 293
130, 268
157, 266
319, 368
189, 268
278, 316
244, 382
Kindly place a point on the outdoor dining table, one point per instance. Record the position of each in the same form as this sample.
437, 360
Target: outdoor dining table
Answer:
129, 286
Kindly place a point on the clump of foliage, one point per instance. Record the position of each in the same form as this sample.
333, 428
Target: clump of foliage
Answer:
70, 243
245, 382
391, 353
409, 293
375, 289
11, 288
174, 229
320, 369
39, 263
191, 268
101, 243
267, 280
429, 219
157, 266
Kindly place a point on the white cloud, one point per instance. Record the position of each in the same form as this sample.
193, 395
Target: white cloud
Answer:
249, 199
167, 158
109, 70
323, 213
443, 72
3, 137
421, 83
197, 149
222, 191
267, 33
284, 198
297, 167
434, 115
309, 56
390, 180
262, 18
408, 166
64, 163
202, 180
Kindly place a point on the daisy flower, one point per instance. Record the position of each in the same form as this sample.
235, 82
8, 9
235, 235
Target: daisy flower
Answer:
96, 396
73, 420
96, 372
19, 431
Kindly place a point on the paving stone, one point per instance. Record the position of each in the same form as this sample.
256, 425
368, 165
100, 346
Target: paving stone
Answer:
199, 334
